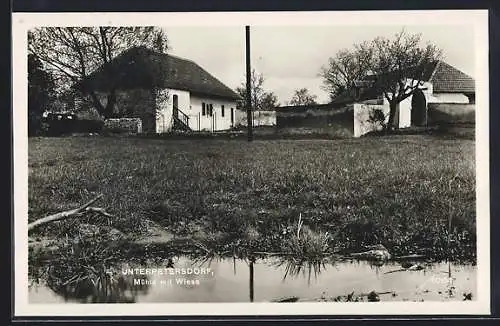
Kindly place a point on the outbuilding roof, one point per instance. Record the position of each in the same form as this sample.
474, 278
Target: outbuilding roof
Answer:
448, 79
443, 77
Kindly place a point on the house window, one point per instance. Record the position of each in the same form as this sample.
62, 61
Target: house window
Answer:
222, 111
211, 109
202, 108
232, 116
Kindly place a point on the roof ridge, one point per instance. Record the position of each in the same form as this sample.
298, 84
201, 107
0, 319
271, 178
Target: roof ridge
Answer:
194, 77
454, 68
197, 64
152, 51
178, 57
203, 69
438, 63
211, 75
159, 53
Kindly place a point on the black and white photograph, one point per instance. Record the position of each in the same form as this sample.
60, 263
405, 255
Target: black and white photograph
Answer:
251, 163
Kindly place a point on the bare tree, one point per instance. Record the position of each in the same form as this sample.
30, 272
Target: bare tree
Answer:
346, 67
395, 68
72, 53
303, 97
261, 100
400, 66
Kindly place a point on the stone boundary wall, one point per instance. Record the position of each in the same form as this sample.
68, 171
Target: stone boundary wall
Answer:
123, 125
260, 118
338, 121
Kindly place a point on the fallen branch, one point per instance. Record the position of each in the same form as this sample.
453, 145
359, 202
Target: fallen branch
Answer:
99, 210
70, 213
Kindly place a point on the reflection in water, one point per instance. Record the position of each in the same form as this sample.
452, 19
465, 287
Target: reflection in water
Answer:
293, 267
102, 291
260, 280
97, 285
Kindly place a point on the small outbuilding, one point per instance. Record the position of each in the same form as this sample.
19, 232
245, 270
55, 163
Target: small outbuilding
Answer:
447, 95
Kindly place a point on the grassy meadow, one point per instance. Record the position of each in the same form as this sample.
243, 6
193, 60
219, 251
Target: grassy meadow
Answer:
399, 191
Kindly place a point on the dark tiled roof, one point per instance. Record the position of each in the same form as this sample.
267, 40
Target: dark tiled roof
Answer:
142, 67
448, 79
444, 78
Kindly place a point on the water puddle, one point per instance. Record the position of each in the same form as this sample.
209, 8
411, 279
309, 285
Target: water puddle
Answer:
228, 280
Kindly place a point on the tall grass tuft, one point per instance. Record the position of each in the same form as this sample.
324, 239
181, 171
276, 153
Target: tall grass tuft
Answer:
305, 251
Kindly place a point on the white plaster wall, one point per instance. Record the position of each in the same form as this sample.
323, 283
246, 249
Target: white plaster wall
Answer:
448, 98
211, 123
164, 120
405, 105
361, 113
266, 118
191, 106
260, 118
405, 112
184, 100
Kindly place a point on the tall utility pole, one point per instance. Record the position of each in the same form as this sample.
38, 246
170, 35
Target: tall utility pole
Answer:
249, 86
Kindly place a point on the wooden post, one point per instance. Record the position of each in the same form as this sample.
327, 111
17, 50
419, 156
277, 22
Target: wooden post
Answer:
251, 279
249, 88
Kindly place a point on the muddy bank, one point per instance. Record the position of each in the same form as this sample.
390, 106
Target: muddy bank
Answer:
91, 263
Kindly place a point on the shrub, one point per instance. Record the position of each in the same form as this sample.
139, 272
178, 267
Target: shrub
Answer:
377, 117
61, 123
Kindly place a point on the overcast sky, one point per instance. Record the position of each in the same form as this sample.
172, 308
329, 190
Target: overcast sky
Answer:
291, 57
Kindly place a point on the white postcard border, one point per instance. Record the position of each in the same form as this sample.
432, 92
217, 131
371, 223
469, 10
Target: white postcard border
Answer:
22, 22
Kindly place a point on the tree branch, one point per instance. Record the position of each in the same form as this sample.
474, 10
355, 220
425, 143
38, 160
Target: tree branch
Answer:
70, 213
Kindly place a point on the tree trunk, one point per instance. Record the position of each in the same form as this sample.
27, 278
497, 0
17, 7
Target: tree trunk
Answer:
110, 106
95, 101
108, 110
391, 124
